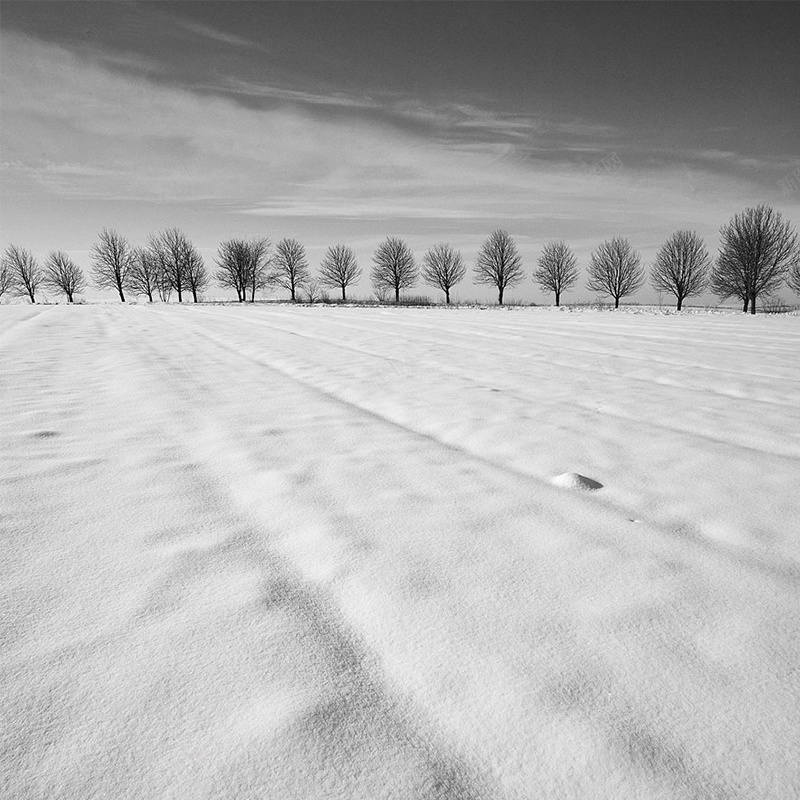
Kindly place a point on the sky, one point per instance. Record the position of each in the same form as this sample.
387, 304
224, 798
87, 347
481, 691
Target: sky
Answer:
432, 121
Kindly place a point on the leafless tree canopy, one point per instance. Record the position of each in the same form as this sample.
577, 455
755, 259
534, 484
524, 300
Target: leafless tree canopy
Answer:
26, 274
393, 268
6, 276
243, 266
757, 247
112, 259
339, 268
793, 278
196, 273
499, 264
181, 264
314, 291
443, 267
290, 267
145, 274
615, 269
558, 269
62, 274
681, 266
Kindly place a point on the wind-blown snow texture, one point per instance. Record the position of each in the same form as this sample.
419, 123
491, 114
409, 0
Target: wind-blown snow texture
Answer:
272, 552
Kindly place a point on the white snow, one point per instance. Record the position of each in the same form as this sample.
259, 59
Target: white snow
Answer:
571, 480
276, 552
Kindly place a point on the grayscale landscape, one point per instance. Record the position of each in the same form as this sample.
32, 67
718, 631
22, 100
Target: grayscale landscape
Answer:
399, 400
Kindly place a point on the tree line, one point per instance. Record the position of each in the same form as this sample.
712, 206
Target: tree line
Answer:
759, 250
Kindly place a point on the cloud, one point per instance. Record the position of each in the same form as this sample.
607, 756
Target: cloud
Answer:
214, 34
75, 129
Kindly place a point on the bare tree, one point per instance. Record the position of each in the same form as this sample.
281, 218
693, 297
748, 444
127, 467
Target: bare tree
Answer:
26, 274
196, 273
757, 248
393, 267
615, 269
177, 258
233, 263
243, 266
681, 266
164, 283
793, 278
314, 292
111, 262
258, 270
558, 269
443, 268
289, 266
6, 277
499, 263
62, 274
145, 274
339, 269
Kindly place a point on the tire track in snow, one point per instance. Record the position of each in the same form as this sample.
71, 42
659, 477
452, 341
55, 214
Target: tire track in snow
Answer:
366, 705
550, 496
645, 747
687, 433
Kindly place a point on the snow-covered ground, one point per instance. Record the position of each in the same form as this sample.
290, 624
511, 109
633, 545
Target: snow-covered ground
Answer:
275, 552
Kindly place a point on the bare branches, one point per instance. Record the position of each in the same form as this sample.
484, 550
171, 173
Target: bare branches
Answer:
242, 266
443, 268
233, 262
111, 262
6, 277
558, 269
615, 269
793, 278
196, 273
756, 250
339, 269
314, 291
681, 266
62, 274
145, 274
258, 266
290, 266
499, 263
393, 267
25, 274
178, 260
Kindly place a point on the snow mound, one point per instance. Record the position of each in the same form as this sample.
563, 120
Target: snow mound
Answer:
572, 480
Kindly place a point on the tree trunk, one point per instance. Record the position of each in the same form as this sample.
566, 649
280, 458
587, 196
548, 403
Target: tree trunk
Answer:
680, 302
447, 295
180, 293
69, 297
194, 294
616, 302
293, 297
558, 298
746, 304
121, 295
150, 295
396, 294
753, 304
344, 295
500, 297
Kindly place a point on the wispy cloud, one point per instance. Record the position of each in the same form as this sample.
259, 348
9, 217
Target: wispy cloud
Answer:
207, 32
75, 129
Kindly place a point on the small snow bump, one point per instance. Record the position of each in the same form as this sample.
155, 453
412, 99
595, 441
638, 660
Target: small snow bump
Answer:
45, 434
572, 480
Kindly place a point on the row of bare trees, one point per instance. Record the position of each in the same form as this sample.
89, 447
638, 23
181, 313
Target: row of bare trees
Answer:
758, 251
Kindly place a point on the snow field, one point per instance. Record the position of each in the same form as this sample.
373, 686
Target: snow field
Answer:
316, 552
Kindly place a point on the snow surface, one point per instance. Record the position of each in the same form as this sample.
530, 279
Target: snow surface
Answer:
275, 552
